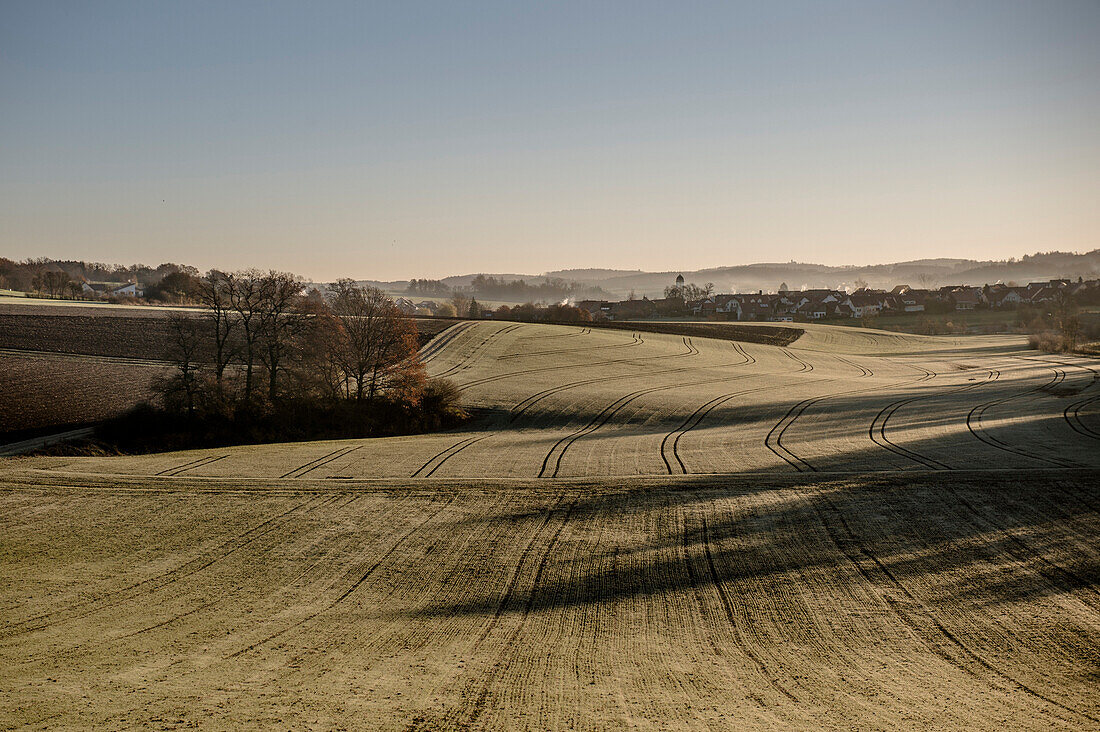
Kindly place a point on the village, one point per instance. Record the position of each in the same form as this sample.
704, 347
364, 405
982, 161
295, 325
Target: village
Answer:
785, 305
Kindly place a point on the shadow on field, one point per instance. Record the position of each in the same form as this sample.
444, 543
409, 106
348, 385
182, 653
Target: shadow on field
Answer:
968, 540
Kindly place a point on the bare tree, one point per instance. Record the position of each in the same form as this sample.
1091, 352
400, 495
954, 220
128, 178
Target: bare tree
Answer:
215, 293
379, 345
280, 322
926, 280
184, 386
246, 292
461, 304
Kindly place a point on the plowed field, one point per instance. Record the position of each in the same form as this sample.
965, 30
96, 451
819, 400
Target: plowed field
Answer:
856, 530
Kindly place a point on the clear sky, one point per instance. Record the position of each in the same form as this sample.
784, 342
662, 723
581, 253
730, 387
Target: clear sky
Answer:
412, 139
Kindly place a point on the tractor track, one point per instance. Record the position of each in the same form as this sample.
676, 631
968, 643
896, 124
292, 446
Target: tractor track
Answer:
428, 469
201, 462
312, 465
974, 422
433, 347
635, 341
360, 579
225, 549
468, 358
934, 634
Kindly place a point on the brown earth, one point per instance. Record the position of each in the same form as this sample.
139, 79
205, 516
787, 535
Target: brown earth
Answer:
42, 392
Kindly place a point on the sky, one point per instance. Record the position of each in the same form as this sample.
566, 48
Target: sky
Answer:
425, 139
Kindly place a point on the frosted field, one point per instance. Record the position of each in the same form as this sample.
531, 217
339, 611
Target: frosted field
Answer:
573, 402
861, 530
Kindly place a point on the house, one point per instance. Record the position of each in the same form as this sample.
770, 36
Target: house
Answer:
967, 298
813, 310
107, 289
1007, 297
630, 309
405, 305
865, 303
598, 309
728, 305
131, 289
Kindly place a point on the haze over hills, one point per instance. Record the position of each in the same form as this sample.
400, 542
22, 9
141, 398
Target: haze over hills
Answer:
799, 275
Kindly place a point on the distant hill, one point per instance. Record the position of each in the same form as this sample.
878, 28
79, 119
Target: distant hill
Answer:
585, 275
768, 276
799, 275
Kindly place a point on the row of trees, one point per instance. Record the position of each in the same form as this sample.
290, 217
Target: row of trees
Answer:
492, 288
261, 340
64, 278
688, 292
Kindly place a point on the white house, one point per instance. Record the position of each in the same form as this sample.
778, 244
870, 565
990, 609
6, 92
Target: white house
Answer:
130, 289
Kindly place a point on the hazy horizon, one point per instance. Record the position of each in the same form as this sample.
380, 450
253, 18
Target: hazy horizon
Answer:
428, 140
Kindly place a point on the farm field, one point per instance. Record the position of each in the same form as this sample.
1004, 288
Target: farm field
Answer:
857, 529
48, 392
578, 402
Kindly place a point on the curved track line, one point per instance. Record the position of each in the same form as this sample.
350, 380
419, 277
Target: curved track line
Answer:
635, 341
433, 347
191, 465
323, 460
731, 617
853, 549
974, 423
522, 406
474, 352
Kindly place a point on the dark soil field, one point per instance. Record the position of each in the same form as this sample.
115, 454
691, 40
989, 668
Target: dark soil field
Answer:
42, 393
145, 335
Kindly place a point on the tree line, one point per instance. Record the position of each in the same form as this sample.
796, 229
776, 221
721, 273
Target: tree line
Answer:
263, 360
493, 288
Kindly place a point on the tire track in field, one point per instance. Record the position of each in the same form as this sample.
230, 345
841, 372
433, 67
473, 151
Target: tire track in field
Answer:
806, 367
701, 602
695, 418
635, 341
1072, 413
731, 617
974, 423
561, 447
312, 465
523, 405
1024, 553
864, 371
432, 349
473, 353
436, 461
692, 351
583, 331
85, 608
513, 582
481, 702
774, 439
914, 614
201, 462
361, 575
